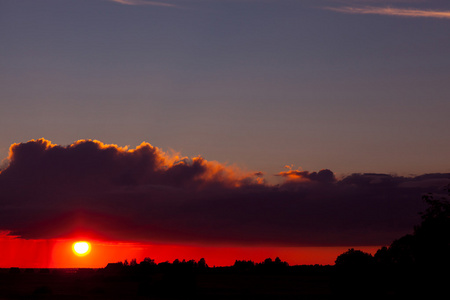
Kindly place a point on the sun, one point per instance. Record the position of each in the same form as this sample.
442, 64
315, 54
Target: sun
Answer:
81, 248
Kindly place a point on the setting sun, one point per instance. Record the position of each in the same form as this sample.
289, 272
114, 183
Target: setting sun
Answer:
81, 248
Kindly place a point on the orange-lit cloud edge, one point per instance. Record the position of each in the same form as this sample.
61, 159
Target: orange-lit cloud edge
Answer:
57, 252
229, 174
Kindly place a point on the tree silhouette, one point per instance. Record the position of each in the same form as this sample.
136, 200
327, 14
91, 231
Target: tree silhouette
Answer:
433, 234
202, 264
354, 259
429, 245
401, 252
133, 262
244, 265
355, 274
414, 264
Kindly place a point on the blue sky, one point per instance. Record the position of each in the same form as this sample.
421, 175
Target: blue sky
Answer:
351, 86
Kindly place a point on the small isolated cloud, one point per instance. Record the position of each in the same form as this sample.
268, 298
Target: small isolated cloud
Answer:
390, 11
143, 2
321, 176
147, 195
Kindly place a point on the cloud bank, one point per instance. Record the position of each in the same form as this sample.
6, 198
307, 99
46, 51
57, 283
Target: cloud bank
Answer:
146, 195
390, 11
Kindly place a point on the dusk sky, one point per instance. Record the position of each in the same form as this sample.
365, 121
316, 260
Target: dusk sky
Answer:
209, 123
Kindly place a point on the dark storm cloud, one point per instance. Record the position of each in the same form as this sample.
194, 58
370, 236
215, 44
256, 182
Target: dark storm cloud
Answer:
50, 191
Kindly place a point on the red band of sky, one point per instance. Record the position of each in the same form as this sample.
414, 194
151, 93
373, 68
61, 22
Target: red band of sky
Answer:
22, 253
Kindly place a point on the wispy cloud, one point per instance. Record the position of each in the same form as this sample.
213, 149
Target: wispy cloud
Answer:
390, 11
143, 2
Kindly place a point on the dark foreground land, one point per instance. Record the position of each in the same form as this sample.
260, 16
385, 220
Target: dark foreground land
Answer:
215, 283
295, 282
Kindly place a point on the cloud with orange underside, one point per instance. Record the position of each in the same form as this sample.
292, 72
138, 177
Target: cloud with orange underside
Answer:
321, 176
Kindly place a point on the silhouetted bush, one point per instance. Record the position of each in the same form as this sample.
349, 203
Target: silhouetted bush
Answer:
354, 259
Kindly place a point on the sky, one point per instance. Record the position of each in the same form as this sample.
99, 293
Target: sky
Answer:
288, 126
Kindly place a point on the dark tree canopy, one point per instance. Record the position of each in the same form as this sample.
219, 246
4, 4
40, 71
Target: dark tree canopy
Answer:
429, 245
354, 258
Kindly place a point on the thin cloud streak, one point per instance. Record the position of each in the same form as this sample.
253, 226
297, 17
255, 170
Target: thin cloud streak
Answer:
389, 11
142, 2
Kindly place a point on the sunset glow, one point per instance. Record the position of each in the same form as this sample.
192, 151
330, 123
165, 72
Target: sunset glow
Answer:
61, 254
224, 130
